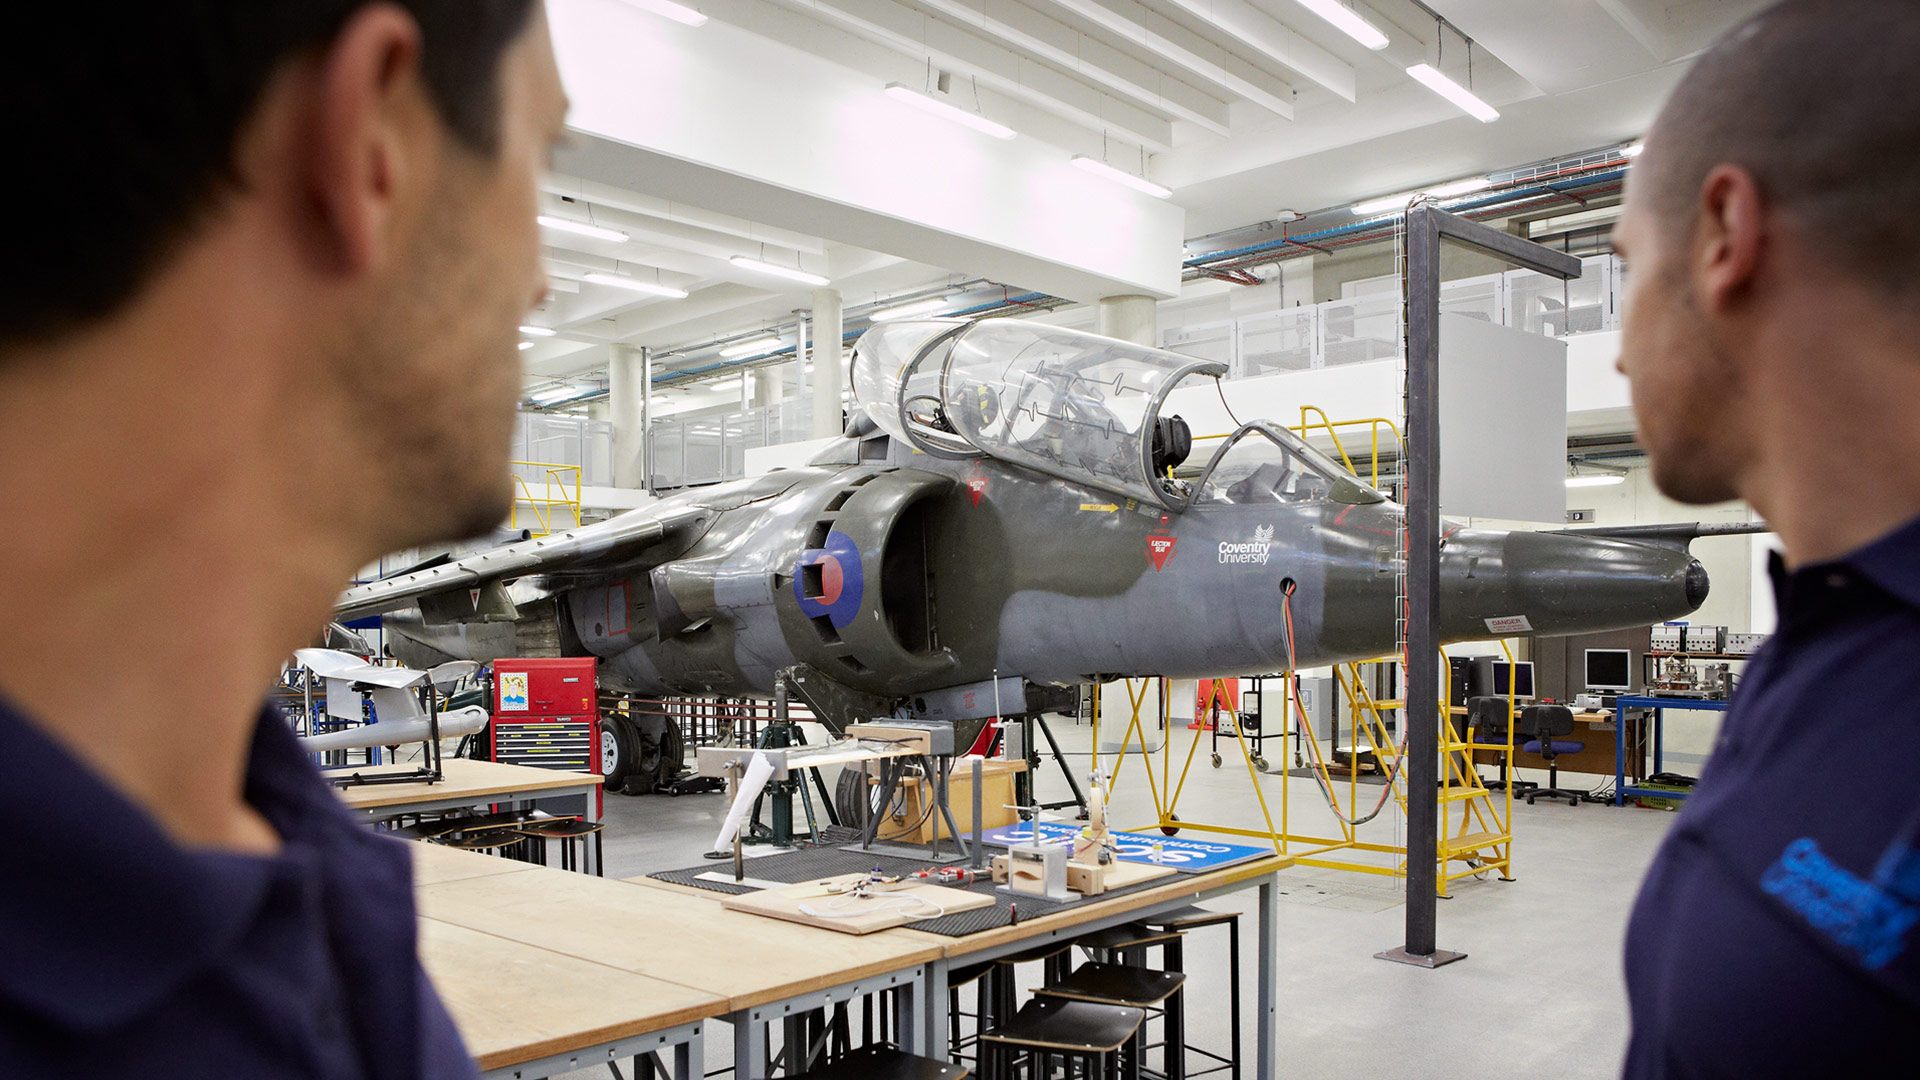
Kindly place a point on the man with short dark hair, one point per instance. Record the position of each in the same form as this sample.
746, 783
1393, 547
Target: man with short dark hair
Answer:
262, 283
1772, 338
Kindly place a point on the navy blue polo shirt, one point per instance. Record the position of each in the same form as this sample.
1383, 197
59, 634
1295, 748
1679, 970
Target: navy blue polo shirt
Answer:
123, 954
1775, 934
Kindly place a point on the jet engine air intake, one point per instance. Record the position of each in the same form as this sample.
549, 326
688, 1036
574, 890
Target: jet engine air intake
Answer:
859, 603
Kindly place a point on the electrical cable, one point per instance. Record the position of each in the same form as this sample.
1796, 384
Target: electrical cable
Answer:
1218, 388
1320, 774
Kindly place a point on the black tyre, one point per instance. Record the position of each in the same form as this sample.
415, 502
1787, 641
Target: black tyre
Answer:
1216, 761
644, 768
1171, 830
619, 751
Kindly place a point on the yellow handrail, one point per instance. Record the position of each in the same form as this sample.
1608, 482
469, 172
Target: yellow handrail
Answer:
542, 508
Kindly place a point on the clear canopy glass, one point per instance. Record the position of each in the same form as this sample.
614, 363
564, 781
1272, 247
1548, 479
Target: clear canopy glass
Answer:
1062, 402
1265, 464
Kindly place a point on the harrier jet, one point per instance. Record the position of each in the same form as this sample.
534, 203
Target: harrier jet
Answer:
1009, 509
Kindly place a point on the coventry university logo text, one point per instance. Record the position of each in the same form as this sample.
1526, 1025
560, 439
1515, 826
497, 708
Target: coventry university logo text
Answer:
1254, 552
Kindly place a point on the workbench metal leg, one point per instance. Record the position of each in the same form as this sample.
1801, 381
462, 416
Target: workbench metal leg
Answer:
934, 1010
749, 1047
910, 1034
690, 1058
590, 845
1266, 1022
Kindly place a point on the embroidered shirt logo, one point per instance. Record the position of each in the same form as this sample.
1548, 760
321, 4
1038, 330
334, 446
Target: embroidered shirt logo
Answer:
1859, 915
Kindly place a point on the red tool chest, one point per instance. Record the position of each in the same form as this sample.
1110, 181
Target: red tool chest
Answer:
546, 713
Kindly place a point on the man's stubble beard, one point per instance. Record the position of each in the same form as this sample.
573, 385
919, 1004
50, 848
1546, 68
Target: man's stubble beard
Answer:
431, 399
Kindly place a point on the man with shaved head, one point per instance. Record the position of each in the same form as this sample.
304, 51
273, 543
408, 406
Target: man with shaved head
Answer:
1772, 338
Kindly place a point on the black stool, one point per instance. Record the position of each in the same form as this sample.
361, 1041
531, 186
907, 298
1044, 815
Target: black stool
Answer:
882, 1063
1124, 944
1135, 988
1049, 1027
567, 830
984, 1003
1173, 958
1055, 956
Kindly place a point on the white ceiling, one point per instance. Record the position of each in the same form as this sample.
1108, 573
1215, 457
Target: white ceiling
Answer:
1242, 107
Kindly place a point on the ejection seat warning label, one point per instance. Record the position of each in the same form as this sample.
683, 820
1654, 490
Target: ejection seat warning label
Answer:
513, 691
1510, 624
1180, 853
1159, 549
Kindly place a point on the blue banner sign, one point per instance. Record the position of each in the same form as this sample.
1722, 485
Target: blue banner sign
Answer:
1179, 852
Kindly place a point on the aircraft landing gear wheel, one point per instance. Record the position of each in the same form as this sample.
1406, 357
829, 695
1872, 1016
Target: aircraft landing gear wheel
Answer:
1171, 830
618, 754
1216, 761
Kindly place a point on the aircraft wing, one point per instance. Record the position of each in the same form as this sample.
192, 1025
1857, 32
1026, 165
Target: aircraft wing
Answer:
619, 542
1674, 536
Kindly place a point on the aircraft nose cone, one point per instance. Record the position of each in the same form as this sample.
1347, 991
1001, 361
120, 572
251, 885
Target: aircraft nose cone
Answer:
1697, 584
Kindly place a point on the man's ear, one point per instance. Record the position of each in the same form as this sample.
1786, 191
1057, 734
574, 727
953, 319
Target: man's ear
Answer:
369, 92
1730, 236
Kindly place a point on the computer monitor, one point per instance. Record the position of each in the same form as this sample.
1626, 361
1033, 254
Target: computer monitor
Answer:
1610, 669
1522, 685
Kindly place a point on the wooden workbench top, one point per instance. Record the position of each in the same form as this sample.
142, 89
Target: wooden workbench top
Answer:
747, 959
465, 778
435, 863
515, 1002
1181, 887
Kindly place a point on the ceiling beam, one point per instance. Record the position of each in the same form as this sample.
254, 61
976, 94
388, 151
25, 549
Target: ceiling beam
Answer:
966, 53
680, 214
1274, 40
1056, 42
1157, 34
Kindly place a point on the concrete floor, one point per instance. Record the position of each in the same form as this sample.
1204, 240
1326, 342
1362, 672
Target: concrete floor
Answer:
1540, 991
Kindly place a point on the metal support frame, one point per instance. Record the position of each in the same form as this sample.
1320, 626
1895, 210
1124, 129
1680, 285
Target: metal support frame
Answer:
1426, 228
750, 1043
686, 1042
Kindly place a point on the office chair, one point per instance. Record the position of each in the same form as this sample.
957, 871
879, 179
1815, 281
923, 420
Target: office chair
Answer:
1487, 722
1543, 723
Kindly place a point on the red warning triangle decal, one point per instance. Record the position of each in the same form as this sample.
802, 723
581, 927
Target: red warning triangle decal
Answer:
1160, 549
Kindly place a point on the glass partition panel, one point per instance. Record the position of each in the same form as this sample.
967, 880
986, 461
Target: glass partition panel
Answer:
1360, 329
1280, 341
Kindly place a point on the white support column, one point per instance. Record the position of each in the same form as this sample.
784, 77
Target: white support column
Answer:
1131, 318
829, 370
628, 384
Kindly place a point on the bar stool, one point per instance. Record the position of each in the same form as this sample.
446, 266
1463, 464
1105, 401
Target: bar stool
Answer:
1134, 988
1173, 959
1124, 944
497, 841
882, 1063
981, 976
1046, 1028
566, 830
1056, 958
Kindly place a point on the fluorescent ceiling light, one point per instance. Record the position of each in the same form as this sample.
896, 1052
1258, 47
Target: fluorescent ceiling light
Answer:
1429, 76
525, 345
1120, 176
581, 228
557, 393
1632, 150
1390, 204
661, 399
791, 273
726, 384
1347, 21
536, 331
667, 9
1595, 481
1460, 187
946, 111
909, 309
749, 348
621, 281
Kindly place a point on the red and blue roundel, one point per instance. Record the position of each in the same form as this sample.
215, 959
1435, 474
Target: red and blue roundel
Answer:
828, 581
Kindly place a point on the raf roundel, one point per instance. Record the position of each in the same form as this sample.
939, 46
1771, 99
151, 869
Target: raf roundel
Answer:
829, 582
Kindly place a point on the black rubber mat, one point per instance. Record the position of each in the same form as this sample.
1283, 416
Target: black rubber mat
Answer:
1373, 779
811, 863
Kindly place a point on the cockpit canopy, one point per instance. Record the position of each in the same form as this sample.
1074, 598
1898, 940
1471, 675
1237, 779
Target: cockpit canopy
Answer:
1073, 405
